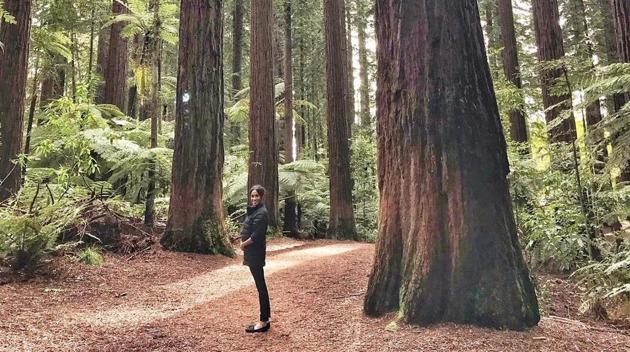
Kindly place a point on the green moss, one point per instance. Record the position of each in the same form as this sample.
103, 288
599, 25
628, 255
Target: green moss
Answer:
205, 236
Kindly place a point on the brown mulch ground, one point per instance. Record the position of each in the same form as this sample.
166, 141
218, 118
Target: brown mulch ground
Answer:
316, 298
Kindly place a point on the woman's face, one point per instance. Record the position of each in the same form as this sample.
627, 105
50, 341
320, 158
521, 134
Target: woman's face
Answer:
254, 198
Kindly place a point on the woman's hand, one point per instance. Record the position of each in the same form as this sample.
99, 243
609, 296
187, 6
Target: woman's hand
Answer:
246, 243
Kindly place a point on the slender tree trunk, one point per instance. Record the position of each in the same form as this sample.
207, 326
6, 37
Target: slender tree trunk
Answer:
290, 216
91, 54
341, 223
350, 66
117, 63
366, 118
621, 15
195, 219
54, 81
155, 106
73, 66
101, 63
237, 60
550, 48
518, 124
31, 110
13, 74
447, 248
490, 33
31, 116
263, 146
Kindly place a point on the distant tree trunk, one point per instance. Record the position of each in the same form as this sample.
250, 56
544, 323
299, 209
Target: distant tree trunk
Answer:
101, 63
115, 91
263, 147
341, 224
621, 15
31, 115
447, 248
290, 216
13, 74
518, 124
490, 33
350, 68
366, 118
155, 51
54, 82
195, 219
550, 48
237, 60
593, 113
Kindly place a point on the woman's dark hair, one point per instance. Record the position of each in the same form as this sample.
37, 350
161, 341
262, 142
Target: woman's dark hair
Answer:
259, 189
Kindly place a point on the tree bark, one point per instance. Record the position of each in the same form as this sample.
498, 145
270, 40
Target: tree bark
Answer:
101, 63
447, 248
366, 118
13, 74
263, 145
115, 91
195, 221
341, 224
155, 49
290, 216
349, 69
621, 15
550, 48
518, 124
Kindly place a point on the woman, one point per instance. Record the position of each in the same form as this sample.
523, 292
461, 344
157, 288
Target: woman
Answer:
254, 246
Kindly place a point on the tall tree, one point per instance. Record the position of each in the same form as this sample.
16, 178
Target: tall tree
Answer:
290, 216
552, 74
195, 219
447, 248
54, 79
263, 147
115, 90
364, 89
518, 124
13, 73
349, 64
155, 111
101, 63
341, 223
237, 47
621, 15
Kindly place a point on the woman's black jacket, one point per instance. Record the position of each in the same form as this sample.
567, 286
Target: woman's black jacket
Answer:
255, 227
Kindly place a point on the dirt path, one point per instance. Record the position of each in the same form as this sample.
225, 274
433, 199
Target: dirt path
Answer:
167, 301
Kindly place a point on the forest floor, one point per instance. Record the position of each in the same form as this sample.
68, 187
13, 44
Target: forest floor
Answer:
164, 301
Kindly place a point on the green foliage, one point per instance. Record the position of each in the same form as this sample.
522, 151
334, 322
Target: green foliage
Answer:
90, 256
28, 237
608, 279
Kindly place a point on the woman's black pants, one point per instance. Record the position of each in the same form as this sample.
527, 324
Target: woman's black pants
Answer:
263, 296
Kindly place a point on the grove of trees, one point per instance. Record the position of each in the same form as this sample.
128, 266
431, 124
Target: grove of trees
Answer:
476, 142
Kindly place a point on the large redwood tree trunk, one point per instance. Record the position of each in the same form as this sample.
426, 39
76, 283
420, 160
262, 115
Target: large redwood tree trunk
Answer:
518, 124
115, 91
341, 223
195, 219
550, 48
263, 145
13, 73
621, 15
447, 248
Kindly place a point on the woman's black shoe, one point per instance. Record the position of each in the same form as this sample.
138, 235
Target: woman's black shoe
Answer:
252, 328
